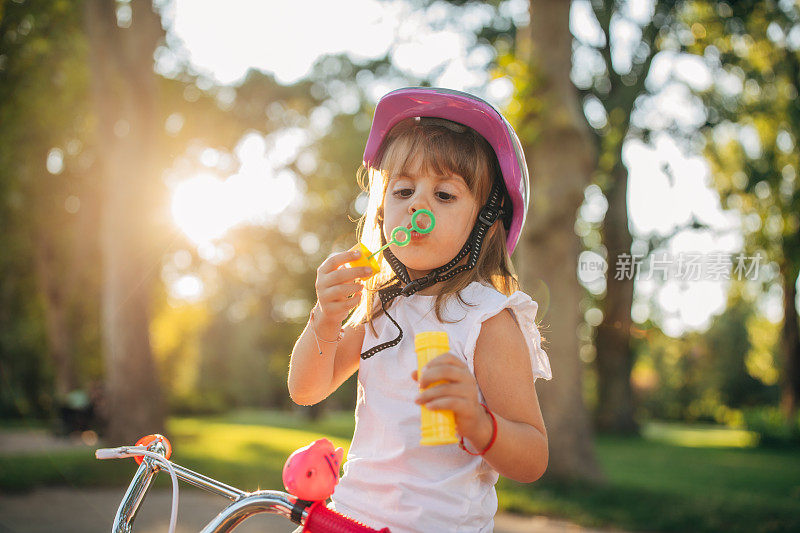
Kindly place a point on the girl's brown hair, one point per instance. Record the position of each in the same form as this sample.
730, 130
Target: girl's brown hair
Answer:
443, 147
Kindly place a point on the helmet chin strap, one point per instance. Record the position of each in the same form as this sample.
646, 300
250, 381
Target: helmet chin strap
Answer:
403, 285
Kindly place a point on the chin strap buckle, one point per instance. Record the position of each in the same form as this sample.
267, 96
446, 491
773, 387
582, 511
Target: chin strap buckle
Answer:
489, 214
419, 283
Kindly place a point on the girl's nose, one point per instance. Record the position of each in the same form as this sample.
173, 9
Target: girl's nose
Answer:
417, 204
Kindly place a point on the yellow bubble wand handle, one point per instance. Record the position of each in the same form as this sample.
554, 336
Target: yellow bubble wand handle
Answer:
406, 232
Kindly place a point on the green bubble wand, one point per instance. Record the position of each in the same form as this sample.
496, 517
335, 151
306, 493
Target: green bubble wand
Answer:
406, 232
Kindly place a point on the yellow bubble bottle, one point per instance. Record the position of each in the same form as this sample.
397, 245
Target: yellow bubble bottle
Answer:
436, 427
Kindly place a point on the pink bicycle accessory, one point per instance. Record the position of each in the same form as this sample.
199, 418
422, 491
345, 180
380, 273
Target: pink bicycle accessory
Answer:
470, 111
312, 472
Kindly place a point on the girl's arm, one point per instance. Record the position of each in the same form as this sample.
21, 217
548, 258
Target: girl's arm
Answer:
314, 376
503, 373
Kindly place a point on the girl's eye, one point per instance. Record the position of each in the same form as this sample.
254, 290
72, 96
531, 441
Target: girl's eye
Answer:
408, 193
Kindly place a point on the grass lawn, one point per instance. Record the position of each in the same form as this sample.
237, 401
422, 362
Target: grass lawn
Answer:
674, 478
664, 486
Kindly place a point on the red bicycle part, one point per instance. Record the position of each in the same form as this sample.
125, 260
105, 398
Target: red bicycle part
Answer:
147, 440
322, 519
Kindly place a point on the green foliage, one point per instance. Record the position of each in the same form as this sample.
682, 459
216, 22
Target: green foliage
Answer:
752, 131
23, 364
753, 117
668, 378
774, 430
48, 209
729, 343
709, 376
234, 349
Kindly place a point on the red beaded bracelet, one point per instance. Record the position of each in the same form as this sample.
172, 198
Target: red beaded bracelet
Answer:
491, 441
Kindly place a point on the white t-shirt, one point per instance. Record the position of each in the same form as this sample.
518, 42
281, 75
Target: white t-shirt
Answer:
389, 479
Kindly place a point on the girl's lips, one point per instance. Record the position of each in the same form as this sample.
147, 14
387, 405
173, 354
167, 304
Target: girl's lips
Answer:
417, 236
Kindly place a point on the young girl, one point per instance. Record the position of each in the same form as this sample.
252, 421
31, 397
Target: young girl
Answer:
455, 155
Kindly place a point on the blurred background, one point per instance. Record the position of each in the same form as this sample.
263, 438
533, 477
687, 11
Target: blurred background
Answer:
173, 172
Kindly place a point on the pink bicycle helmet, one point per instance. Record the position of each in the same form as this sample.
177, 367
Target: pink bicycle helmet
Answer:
470, 111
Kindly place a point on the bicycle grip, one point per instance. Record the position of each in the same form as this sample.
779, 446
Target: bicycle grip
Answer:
323, 520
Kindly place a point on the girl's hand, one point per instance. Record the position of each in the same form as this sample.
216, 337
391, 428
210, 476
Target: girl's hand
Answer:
339, 287
457, 393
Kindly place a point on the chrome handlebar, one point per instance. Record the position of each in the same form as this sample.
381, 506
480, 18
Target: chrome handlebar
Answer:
245, 504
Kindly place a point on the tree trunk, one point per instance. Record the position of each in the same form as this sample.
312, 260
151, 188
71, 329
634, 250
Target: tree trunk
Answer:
124, 92
614, 356
562, 158
790, 346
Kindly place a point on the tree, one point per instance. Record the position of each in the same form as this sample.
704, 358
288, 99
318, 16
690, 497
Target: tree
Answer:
131, 103
617, 89
125, 99
561, 158
751, 135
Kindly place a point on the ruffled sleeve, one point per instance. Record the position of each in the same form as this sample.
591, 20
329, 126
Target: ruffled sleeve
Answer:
524, 310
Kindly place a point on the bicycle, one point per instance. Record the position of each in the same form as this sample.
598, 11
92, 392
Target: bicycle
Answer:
153, 452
